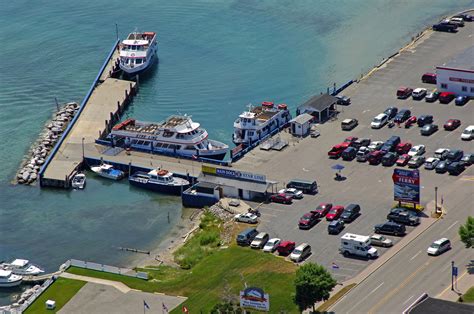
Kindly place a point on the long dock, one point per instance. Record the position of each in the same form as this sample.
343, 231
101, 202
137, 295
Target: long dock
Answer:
99, 111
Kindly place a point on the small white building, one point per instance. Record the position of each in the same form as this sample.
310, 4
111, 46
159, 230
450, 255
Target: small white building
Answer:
301, 125
457, 75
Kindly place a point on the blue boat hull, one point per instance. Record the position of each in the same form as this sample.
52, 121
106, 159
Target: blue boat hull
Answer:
161, 188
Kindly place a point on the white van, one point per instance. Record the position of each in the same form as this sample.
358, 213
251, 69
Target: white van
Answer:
354, 244
468, 133
439, 246
300, 252
379, 121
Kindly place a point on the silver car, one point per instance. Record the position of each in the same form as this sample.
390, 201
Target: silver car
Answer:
380, 240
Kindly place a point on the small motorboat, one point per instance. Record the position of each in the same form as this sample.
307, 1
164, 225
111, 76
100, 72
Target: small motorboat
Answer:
79, 181
9, 279
159, 180
22, 267
108, 171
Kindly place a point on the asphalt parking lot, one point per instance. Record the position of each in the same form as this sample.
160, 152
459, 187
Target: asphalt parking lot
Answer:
369, 186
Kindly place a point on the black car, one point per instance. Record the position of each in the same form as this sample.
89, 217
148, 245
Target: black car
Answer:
350, 213
390, 228
391, 112
468, 159
442, 166
401, 215
424, 119
394, 139
455, 155
428, 129
440, 27
335, 226
461, 100
402, 116
388, 147
349, 153
343, 100
455, 168
389, 159
361, 142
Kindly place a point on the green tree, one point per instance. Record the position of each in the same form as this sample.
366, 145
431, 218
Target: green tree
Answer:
466, 232
313, 284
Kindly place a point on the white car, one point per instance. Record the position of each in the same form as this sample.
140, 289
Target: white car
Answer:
294, 193
375, 145
300, 252
441, 153
468, 133
439, 246
431, 163
379, 121
271, 245
380, 240
248, 218
259, 241
418, 93
417, 150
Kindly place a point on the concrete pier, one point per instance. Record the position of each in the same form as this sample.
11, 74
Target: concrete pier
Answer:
99, 111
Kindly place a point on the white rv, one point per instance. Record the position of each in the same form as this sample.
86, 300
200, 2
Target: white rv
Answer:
353, 244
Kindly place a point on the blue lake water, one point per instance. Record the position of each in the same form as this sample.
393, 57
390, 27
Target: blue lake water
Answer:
215, 57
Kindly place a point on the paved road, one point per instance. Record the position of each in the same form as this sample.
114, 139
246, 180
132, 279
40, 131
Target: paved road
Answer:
412, 272
369, 186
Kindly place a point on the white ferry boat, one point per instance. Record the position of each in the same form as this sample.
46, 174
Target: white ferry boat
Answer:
258, 122
137, 52
22, 267
176, 136
8, 279
159, 180
108, 171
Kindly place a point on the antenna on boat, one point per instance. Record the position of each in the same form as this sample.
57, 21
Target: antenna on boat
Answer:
250, 107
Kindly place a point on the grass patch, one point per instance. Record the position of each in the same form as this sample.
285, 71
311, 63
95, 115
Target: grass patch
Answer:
223, 272
61, 291
202, 244
468, 297
326, 305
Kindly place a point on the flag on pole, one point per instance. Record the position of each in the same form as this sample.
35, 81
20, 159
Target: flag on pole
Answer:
145, 305
335, 266
164, 307
185, 309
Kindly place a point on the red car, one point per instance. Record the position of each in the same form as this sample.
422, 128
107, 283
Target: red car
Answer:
335, 212
404, 92
308, 220
322, 210
286, 247
446, 97
429, 78
410, 121
452, 124
281, 198
375, 157
336, 151
403, 160
403, 148
351, 140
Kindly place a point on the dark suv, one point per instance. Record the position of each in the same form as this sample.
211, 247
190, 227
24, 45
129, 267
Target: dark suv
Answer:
350, 213
391, 112
402, 116
455, 155
246, 236
425, 119
390, 228
456, 168
389, 159
401, 215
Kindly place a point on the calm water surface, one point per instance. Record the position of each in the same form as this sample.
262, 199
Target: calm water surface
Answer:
215, 57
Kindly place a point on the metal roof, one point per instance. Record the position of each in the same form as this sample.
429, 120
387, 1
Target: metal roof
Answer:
302, 118
435, 306
318, 103
238, 184
463, 60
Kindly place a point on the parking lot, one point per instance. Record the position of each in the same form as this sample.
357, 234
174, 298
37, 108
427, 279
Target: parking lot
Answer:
369, 186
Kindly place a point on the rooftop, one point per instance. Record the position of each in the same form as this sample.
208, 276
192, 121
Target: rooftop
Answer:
463, 60
319, 102
302, 118
435, 306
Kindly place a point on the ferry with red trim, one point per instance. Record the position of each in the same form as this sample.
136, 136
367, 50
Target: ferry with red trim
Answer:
258, 122
177, 136
137, 52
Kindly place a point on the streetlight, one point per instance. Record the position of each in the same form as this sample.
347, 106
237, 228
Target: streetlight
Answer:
436, 199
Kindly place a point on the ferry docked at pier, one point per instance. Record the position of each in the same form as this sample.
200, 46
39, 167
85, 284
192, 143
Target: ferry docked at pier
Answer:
257, 122
176, 136
159, 180
137, 52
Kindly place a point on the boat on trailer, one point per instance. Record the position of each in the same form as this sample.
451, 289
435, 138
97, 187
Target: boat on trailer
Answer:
138, 52
159, 180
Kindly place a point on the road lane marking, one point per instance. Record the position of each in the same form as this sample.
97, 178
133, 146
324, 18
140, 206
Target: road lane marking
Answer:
415, 255
446, 230
449, 287
363, 299
408, 300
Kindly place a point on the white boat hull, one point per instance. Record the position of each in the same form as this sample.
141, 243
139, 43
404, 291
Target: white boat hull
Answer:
11, 284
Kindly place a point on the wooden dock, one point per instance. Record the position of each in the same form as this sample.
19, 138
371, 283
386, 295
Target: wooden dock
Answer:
99, 111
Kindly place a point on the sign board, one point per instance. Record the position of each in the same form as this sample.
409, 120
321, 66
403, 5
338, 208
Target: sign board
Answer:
236, 150
254, 298
455, 271
233, 174
406, 185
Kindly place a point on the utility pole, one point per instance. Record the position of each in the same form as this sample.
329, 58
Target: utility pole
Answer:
452, 275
